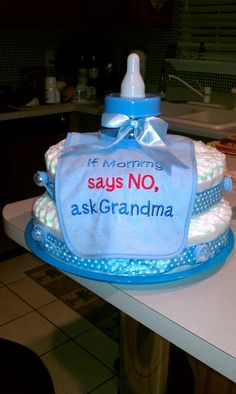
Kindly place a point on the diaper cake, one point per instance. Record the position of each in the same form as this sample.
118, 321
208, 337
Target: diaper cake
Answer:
132, 203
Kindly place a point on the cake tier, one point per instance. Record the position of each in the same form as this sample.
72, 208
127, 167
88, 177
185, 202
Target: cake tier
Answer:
209, 237
202, 201
203, 228
210, 164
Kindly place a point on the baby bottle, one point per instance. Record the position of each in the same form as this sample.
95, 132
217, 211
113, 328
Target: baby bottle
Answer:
132, 100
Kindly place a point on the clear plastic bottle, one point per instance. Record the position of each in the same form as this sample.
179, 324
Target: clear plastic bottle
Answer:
81, 91
52, 95
83, 72
93, 78
162, 84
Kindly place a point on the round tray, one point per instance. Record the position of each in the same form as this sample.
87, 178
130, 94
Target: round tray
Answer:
195, 271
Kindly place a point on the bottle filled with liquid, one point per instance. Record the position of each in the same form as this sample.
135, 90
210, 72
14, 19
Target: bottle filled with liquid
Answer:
82, 90
93, 78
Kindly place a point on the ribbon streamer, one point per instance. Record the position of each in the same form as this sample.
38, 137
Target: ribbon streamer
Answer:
149, 132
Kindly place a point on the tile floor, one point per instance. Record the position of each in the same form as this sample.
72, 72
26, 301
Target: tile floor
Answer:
79, 357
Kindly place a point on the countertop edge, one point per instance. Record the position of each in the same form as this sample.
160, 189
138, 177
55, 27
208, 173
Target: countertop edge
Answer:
93, 108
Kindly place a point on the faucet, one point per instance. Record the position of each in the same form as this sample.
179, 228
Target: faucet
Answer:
207, 90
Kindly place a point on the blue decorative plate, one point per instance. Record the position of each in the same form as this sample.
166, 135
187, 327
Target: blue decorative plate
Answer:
212, 264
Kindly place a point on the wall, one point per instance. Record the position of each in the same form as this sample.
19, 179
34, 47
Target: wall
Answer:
21, 47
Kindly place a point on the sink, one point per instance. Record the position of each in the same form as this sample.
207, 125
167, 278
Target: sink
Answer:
216, 119
198, 118
177, 109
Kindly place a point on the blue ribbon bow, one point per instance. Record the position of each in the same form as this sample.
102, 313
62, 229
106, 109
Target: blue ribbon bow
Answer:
149, 132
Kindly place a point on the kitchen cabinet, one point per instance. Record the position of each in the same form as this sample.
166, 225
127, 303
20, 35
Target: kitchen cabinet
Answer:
106, 14
46, 13
80, 14
153, 13
23, 145
135, 13
22, 150
128, 13
74, 14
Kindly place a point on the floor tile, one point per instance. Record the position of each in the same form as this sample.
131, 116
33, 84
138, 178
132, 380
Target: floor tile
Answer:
100, 345
84, 365
13, 269
11, 306
74, 371
110, 387
65, 318
31, 292
34, 331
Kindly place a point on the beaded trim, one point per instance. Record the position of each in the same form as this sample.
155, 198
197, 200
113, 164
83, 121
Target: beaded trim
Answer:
194, 255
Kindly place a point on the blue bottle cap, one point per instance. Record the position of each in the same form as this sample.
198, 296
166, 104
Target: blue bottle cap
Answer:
135, 107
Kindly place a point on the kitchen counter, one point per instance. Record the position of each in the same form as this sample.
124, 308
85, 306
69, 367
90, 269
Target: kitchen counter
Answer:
86, 117
196, 315
91, 108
